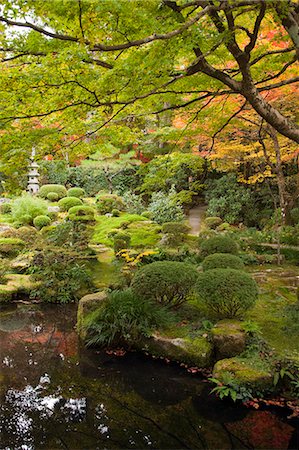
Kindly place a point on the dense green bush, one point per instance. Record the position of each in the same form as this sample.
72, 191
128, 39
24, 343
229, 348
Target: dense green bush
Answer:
105, 203
11, 246
52, 197
218, 244
62, 275
59, 189
227, 293
68, 202
222, 261
175, 231
164, 208
28, 234
54, 172
121, 241
124, 319
76, 192
213, 222
294, 213
5, 208
165, 282
41, 221
115, 213
26, 208
224, 227
82, 213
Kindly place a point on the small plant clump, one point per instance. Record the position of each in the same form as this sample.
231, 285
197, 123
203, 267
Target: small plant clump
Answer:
76, 192
213, 222
59, 189
166, 282
5, 208
26, 208
226, 293
222, 261
81, 213
124, 319
41, 221
218, 244
106, 203
121, 241
68, 202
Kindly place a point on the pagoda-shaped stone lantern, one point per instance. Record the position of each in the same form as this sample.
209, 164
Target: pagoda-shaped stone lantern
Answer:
33, 174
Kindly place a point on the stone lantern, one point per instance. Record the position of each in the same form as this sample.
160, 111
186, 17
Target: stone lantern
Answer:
33, 174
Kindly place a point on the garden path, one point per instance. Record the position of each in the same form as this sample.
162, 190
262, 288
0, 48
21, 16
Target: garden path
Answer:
196, 217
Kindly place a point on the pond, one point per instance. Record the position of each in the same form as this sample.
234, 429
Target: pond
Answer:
57, 395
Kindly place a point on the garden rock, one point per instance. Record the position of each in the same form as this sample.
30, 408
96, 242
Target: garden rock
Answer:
229, 339
53, 209
87, 305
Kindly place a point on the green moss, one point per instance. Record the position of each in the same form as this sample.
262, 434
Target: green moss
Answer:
227, 327
251, 373
105, 224
16, 285
144, 234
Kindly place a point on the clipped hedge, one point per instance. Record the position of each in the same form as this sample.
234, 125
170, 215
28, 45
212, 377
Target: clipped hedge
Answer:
41, 221
227, 293
76, 192
59, 189
222, 261
106, 203
218, 244
68, 202
165, 282
81, 213
52, 197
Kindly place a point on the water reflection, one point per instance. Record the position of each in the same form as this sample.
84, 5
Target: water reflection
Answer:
57, 395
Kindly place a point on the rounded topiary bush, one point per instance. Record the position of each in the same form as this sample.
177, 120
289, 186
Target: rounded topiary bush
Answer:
81, 213
222, 261
175, 228
76, 192
52, 197
5, 208
59, 189
218, 244
68, 202
115, 213
227, 293
105, 203
165, 282
41, 221
213, 222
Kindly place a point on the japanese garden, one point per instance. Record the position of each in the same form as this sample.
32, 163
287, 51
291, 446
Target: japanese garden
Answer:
149, 224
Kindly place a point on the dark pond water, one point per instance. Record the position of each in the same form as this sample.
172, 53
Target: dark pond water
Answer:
56, 395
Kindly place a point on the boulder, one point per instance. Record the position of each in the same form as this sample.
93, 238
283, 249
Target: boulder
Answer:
87, 305
193, 352
16, 286
246, 372
228, 338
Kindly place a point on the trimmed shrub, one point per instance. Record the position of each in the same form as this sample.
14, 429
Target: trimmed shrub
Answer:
68, 202
28, 234
121, 241
227, 293
222, 261
5, 208
76, 192
147, 214
52, 197
124, 319
165, 282
59, 189
213, 222
224, 227
105, 203
81, 213
11, 246
26, 208
41, 221
175, 232
218, 244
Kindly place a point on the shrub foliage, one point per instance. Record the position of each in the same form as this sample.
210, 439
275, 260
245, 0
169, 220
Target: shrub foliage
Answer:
218, 244
68, 202
222, 261
26, 208
165, 282
227, 293
59, 189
